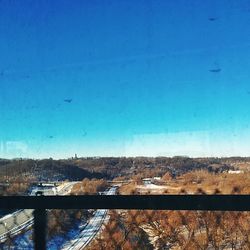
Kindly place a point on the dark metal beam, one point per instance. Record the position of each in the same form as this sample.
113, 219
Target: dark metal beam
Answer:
40, 226
156, 202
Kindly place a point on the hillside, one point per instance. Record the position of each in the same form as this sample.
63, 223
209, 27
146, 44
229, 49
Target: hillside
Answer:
111, 167
43, 170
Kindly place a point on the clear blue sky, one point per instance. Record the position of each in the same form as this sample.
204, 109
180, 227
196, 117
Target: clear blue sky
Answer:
137, 74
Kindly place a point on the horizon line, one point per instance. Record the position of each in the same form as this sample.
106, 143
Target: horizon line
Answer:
138, 156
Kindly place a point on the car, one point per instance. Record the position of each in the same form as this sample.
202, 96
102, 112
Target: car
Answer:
39, 193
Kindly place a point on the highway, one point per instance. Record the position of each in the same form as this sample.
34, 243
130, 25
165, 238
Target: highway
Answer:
89, 232
12, 224
66, 188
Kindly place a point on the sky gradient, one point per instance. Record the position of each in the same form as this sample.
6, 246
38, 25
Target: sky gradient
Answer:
138, 76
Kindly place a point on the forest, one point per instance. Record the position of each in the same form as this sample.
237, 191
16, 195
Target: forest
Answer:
147, 229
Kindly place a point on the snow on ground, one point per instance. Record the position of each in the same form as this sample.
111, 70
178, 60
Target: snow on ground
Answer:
23, 242
152, 186
57, 242
155, 189
81, 232
87, 233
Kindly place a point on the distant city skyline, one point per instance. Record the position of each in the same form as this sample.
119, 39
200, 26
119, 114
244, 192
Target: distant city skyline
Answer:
124, 78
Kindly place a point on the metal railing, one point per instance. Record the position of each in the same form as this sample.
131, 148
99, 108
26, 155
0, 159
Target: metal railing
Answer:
40, 204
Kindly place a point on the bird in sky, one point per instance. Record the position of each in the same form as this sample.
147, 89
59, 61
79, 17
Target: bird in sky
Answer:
218, 70
212, 19
68, 100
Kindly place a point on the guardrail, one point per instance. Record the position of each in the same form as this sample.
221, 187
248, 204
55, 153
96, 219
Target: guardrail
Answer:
16, 230
127, 202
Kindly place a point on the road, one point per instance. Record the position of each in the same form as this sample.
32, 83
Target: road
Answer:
66, 188
89, 232
12, 224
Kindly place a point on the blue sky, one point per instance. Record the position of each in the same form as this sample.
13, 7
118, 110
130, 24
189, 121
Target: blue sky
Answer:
138, 73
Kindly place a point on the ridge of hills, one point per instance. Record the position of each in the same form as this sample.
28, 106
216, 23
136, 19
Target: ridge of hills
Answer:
109, 167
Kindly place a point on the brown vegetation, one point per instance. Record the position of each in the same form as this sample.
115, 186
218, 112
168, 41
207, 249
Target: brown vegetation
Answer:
211, 183
14, 188
61, 221
87, 186
175, 230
